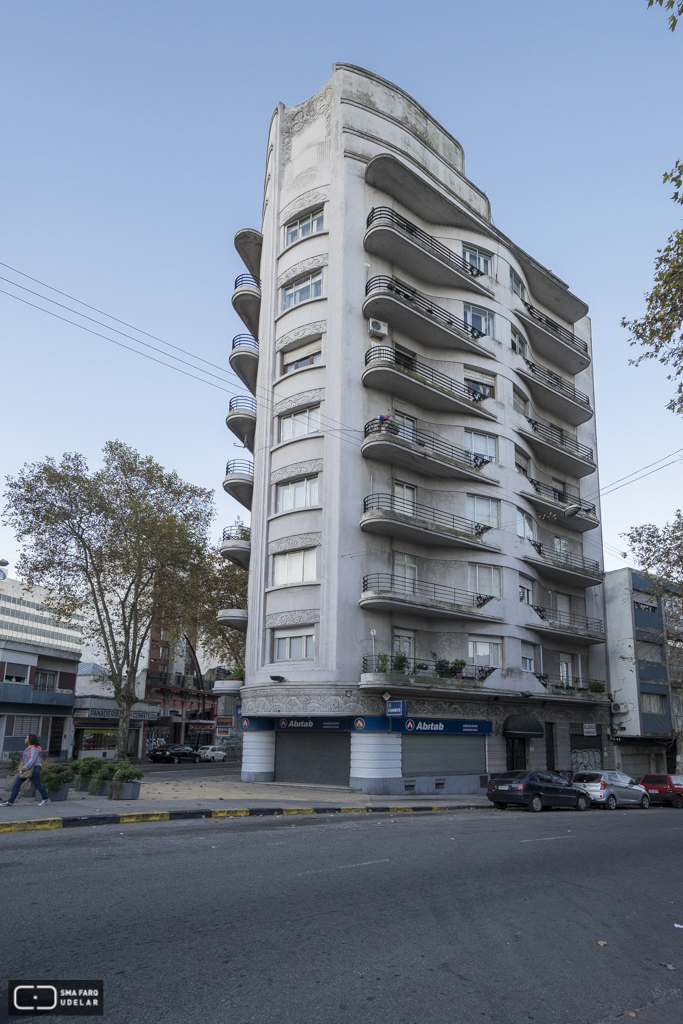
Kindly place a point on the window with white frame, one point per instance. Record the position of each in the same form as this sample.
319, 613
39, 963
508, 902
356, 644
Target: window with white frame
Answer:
528, 657
407, 426
484, 579
306, 355
305, 226
566, 673
294, 567
517, 343
296, 494
405, 571
521, 463
481, 444
525, 525
294, 644
526, 589
483, 510
309, 287
561, 548
24, 724
484, 651
482, 261
404, 642
481, 319
45, 681
405, 496
653, 703
520, 402
480, 382
296, 424
517, 285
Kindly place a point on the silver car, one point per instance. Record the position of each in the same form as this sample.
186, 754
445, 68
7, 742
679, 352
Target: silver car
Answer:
612, 789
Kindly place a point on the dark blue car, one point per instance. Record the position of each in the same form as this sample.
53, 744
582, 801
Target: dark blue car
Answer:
537, 791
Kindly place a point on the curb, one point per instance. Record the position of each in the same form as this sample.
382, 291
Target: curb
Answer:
92, 820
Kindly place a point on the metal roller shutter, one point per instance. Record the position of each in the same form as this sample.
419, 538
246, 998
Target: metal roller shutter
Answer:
635, 765
319, 757
443, 755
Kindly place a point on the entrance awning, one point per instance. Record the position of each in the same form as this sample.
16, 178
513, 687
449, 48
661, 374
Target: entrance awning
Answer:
523, 725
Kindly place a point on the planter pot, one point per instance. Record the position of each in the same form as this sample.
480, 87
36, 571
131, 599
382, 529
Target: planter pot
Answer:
98, 787
80, 784
61, 794
129, 791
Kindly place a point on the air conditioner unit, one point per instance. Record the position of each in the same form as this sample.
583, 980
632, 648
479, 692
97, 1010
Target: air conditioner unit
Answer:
377, 328
620, 709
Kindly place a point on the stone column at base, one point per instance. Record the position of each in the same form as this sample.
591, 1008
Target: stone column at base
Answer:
258, 756
376, 762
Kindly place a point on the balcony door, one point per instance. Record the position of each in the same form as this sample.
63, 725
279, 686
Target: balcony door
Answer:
561, 545
405, 498
407, 426
405, 572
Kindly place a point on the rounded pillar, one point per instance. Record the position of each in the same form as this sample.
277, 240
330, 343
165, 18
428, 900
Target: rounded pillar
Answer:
258, 756
376, 762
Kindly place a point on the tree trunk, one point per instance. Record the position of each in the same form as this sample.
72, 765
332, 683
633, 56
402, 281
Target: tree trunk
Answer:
679, 753
122, 738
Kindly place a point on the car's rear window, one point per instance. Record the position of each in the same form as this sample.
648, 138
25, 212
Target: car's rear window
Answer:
512, 775
587, 777
677, 780
655, 780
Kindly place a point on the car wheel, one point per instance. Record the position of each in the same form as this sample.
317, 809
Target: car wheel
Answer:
645, 801
677, 802
197, 760
176, 760
536, 803
581, 803
500, 806
611, 802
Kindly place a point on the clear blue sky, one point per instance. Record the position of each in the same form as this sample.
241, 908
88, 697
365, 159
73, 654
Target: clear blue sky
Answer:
133, 136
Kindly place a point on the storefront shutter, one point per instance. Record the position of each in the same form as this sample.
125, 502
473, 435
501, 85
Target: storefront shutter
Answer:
324, 758
443, 755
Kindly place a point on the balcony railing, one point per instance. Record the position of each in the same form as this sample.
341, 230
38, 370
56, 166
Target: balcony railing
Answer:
408, 365
435, 591
422, 439
556, 328
247, 281
384, 215
245, 341
433, 516
239, 466
569, 619
237, 532
416, 300
46, 686
559, 438
567, 559
563, 497
245, 402
552, 380
584, 686
428, 667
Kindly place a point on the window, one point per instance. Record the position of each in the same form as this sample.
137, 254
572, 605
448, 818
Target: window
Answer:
484, 652
528, 657
405, 496
525, 525
519, 402
481, 444
306, 288
407, 426
526, 589
482, 261
649, 651
481, 319
521, 463
517, 343
307, 355
164, 634
483, 510
562, 603
102, 739
561, 548
309, 225
517, 285
24, 724
653, 703
481, 383
404, 642
566, 674
306, 421
294, 644
484, 579
45, 681
163, 652
297, 494
294, 567
559, 490
405, 571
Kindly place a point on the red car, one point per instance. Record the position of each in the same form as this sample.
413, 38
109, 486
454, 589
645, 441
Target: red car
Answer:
664, 789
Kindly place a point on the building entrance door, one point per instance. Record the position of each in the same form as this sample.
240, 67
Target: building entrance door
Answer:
54, 747
516, 753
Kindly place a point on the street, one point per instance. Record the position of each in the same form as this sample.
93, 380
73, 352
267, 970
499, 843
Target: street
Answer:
399, 918
188, 770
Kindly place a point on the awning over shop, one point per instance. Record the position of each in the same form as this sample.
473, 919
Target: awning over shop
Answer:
523, 725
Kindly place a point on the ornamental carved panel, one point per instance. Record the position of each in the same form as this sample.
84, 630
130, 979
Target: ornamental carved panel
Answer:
296, 469
302, 268
299, 401
309, 332
293, 543
306, 201
295, 119
279, 620
311, 700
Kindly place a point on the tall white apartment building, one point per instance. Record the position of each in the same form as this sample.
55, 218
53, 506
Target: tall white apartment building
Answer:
425, 600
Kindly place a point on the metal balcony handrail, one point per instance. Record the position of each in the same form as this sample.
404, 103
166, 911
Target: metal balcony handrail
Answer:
427, 666
416, 300
435, 591
559, 438
559, 682
403, 506
408, 365
552, 380
245, 341
556, 328
247, 281
243, 402
563, 497
566, 558
239, 466
237, 532
422, 439
385, 215
551, 615
45, 687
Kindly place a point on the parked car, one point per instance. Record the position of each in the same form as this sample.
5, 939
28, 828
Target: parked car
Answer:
535, 791
175, 753
612, 789
664, 789
212, 754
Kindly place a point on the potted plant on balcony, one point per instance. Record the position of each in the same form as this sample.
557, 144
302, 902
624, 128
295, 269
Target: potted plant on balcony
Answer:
442, 667
399, 661
125, 783
56, 779
381, 662
237, 673
457, 666
596, 686
84, 771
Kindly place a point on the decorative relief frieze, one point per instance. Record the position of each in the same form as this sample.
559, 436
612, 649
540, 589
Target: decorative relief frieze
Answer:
472, 709
306, 201
296, 469
311, 700
297, 118
299, 401
309, 332
302, 268
278, 620
295, 542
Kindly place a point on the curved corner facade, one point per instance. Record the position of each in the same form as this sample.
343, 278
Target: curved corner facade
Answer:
425, 518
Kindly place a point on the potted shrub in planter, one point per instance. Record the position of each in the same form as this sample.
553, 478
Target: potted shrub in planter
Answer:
381, 662
125, 784
399, 661
84, 771
457, 666
99, 782
56, 779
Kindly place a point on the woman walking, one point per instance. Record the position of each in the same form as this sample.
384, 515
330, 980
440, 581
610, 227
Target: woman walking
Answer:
29, 769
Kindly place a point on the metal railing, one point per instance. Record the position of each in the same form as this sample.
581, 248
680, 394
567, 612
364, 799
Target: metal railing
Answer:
567, 559
384, 215
422, 303
574, 683
436, 591
559, 438
425, 513
386, 355
554, 617
247, 281
245, 402
563, 497
556, 328
422, 439
552, 380
45, 686
239, 466
237, 532
426, 666
245, 341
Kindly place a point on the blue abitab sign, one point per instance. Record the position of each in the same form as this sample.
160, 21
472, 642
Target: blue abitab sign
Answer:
441, 725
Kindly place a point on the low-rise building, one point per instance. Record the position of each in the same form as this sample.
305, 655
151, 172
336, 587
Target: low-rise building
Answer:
96, 715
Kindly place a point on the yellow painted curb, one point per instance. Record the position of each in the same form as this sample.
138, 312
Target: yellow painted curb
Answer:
234, 812
298, 810
125, 819
30, 826
352, 810
401, 810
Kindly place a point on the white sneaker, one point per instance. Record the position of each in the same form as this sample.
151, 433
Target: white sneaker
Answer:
5, 803
43, 802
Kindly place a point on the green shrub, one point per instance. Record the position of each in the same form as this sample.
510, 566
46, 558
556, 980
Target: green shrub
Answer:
596, 686
237, 673
443, 668
87, 766
55, 776
457, 666
421, 666
399, 662
381, 662
14, 759
126, 772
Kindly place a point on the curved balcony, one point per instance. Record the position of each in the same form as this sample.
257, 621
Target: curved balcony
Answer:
418, 316
244, 360
399, 241
563, 625
398, 374
377, 664
239, 481
236, 545
233, 618
552, 392
419, 450
555, 447
249, 242
246, 301
391, 516
564, 567
386, 592
554, 342
552, 505
241, 419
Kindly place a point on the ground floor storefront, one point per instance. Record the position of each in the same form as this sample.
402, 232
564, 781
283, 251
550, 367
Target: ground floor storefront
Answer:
96, 728
638, 756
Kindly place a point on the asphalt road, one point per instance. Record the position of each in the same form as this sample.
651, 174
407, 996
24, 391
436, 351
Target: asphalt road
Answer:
448, 918
187, 770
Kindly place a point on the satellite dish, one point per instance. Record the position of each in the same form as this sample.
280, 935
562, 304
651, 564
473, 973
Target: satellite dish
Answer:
572, 510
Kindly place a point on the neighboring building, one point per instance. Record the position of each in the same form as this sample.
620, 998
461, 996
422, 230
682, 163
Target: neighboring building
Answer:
96, 715
425, 522
174, 685
39, 659
644, 647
